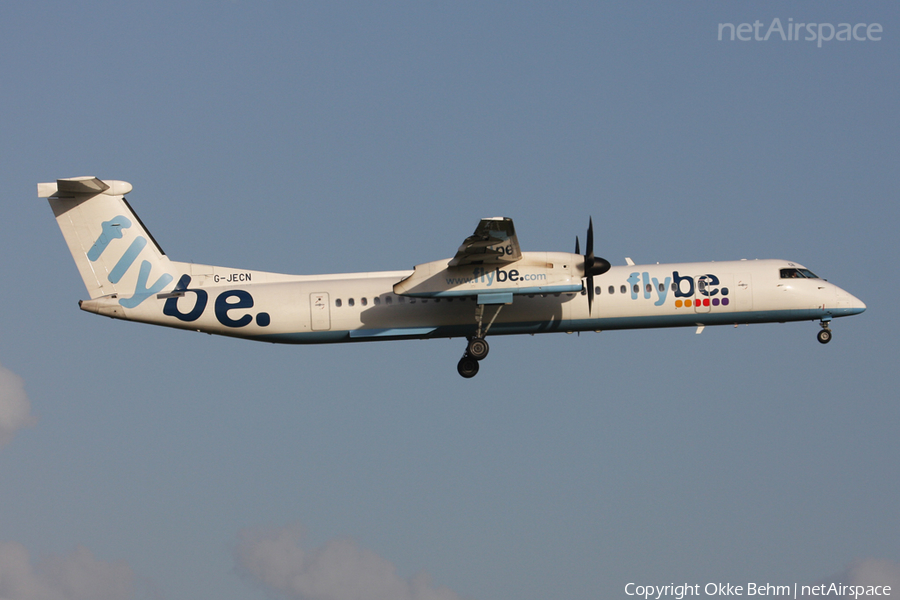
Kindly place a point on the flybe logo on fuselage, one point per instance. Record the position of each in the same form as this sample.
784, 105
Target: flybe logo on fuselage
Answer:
226, 301
705, 291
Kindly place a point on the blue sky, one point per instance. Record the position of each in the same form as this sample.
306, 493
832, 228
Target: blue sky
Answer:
140, 462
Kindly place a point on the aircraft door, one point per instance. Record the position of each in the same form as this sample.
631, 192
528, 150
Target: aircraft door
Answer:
743, 292
319, 311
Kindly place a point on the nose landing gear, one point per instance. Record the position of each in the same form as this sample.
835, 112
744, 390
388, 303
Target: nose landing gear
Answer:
824, 335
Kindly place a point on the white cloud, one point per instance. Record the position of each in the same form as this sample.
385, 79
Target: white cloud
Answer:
74, 576
339, 570
870, 572
15, 409
866, 572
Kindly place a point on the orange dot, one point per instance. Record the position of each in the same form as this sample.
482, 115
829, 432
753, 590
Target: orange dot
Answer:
687, 302
678, 303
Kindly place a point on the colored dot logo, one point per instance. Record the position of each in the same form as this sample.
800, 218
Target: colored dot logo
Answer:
704, 301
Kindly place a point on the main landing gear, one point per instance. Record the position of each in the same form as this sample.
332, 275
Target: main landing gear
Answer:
824, 335
477, 348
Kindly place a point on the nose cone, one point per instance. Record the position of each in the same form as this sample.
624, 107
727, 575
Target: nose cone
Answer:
848, 304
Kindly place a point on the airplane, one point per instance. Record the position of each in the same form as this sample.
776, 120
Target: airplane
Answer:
488, 286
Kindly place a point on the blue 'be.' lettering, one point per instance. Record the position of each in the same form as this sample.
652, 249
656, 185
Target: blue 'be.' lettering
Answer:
243, 300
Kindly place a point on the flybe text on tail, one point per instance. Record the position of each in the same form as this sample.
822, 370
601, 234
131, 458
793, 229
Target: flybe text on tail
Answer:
113, 230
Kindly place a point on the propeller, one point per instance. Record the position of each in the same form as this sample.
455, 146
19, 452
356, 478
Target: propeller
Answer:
593, 265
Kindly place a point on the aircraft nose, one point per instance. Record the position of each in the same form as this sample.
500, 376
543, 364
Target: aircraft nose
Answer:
850, 303
847, 303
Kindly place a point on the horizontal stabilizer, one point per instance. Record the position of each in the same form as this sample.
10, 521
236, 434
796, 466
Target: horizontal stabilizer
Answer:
83, 185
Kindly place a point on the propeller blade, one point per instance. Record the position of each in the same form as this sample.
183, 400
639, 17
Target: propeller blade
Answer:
592, 265
589, 255
590, 294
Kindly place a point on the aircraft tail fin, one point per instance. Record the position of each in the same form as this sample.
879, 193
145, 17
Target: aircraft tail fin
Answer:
113, 251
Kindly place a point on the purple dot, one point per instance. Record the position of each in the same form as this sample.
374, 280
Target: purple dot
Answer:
724, 301
715, 301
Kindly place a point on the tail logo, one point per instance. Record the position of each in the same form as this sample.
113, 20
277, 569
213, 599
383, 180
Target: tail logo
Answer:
113, 230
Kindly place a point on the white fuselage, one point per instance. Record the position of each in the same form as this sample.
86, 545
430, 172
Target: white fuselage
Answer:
363, 306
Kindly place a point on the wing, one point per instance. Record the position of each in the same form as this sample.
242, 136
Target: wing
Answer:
494, 242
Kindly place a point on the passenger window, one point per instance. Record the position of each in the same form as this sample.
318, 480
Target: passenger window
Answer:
597, 290
612, 289
674, 287
351, 302
338, 302
635, 288
376, 300
364, 301
623, 289
389, 300
649, 288
662, 287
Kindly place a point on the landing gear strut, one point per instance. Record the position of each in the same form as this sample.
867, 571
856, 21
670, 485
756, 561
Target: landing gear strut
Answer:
477, 348
824, 335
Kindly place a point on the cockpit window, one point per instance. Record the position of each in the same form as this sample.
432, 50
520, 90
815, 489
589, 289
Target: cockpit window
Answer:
798, 274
